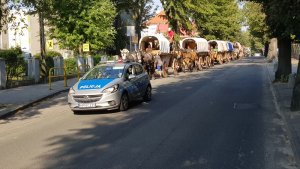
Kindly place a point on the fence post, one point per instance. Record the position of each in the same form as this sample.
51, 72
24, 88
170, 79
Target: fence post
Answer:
30, 68
90, 61
36, 70
2, 74
80, 64
58, 62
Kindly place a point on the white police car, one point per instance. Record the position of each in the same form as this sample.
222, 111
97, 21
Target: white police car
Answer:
110, 86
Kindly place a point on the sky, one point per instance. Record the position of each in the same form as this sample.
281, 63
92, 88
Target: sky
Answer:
157, 2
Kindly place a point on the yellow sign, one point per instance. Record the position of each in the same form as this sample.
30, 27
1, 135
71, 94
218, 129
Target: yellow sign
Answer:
86, 47
50, 44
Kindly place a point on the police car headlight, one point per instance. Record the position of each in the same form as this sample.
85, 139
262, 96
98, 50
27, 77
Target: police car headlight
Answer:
111, 89
71, 91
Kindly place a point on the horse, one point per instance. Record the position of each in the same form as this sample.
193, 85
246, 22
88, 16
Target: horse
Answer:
130, 56
147, 61
189, 60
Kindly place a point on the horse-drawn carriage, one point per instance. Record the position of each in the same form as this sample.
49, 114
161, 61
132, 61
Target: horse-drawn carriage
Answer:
218, 51
230, 51
194, 53
155, 50
238, 50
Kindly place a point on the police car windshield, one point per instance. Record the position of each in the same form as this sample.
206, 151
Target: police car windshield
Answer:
105, 72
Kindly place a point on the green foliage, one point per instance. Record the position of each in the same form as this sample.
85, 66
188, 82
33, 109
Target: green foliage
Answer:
71, 66
78, 22
48, 58
97, 59
255, 20
282, 17
177, 15
48, 54
223, 23
14, 62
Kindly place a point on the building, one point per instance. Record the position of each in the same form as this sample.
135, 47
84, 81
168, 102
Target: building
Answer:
24, 32
160, 24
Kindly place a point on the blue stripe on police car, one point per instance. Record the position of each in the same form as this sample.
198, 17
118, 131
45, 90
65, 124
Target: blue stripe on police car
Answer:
93, 84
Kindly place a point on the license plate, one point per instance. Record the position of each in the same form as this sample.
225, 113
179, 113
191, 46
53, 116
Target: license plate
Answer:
86, 105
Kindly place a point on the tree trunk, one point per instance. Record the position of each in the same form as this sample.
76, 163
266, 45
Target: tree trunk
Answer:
284, 60
295, 104
43, 47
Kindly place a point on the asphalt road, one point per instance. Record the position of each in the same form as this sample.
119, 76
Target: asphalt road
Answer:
222, 118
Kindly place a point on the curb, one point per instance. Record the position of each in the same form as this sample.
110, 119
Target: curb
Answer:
12, 112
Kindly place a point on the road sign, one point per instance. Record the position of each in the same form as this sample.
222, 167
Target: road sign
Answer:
50, 44
86, 47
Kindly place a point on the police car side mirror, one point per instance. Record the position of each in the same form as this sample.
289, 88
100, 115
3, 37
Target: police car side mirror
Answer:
131, 77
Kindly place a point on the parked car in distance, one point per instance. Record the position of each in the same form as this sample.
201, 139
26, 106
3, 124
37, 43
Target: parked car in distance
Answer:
110, 86
257, 54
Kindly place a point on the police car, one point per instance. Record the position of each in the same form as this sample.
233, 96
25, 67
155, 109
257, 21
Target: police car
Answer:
110, 86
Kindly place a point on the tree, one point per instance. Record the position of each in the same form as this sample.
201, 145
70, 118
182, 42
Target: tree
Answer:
255, 20
3, 13
283, 18
141, 11
224, 22
75, 22
38, 7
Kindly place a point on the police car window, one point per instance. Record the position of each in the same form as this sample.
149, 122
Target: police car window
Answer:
104, 72
138, 69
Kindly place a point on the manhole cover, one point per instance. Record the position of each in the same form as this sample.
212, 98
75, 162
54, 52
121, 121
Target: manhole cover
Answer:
244, 106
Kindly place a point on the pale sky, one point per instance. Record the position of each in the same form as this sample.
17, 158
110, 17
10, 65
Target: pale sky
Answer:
157, 2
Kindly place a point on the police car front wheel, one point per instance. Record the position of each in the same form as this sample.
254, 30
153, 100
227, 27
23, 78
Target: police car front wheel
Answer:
124, 102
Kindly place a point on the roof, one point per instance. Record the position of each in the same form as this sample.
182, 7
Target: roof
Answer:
159, 18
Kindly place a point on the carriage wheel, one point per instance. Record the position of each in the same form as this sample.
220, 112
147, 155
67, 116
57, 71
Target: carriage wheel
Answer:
165, 70
184, 66
175, 66
200, 63
220, 60
208, 62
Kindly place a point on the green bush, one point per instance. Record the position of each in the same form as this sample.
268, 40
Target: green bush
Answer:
14, 62
49, 59
71, 66
97, 59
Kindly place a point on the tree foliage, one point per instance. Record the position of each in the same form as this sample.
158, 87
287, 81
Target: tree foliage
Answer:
137, 12
215, 19
254, 18
224, 22
177, 14
75, 22
141, 11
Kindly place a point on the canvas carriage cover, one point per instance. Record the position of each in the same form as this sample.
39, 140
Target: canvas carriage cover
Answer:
202, 44
222, 45
230, 46
164, 44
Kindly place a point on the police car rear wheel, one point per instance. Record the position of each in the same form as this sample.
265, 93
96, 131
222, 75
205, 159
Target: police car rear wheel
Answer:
124, 103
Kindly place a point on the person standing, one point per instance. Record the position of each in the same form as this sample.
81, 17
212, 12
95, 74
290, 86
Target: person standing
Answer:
158, 65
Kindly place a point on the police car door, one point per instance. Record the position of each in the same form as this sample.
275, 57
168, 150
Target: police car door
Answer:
131, 84
141, 79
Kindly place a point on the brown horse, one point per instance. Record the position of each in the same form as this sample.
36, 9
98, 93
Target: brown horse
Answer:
189, 60
147, 61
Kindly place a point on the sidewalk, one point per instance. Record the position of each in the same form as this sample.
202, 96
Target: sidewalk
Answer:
283, 94
15, 99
